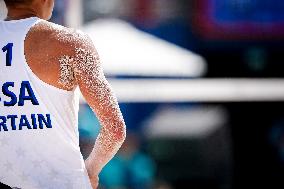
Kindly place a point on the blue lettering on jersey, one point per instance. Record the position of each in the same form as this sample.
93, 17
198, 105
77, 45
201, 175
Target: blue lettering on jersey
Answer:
9, 54
3, 123
34, 120
25, 87
44, 121
8, 93
22, 122
13, 121
31, 96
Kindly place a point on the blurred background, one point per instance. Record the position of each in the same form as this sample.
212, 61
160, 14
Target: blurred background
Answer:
200, 84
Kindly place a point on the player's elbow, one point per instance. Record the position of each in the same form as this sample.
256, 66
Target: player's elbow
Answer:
120, 132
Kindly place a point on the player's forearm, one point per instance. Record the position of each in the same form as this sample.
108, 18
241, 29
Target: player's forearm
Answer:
106, 146
113, 129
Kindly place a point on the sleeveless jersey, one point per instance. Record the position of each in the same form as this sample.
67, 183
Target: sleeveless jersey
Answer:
39, 140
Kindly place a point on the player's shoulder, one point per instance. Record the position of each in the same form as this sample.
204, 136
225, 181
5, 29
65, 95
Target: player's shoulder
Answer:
60, 37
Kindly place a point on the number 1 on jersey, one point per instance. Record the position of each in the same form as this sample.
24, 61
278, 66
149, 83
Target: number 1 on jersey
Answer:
9, 49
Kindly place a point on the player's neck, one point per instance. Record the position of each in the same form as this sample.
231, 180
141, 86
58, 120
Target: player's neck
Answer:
20, 13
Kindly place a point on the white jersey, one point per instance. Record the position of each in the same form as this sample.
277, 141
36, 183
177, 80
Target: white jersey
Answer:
39, 140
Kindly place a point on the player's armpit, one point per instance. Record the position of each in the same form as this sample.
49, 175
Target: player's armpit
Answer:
99, 95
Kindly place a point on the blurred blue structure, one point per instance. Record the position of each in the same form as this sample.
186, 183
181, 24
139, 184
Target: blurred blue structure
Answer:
89, 125
59, 12
131, 168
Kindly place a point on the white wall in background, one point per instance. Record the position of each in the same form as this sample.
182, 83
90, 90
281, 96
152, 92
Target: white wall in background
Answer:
74, 15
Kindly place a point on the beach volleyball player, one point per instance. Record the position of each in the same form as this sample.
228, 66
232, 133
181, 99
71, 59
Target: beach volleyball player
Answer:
41, 65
